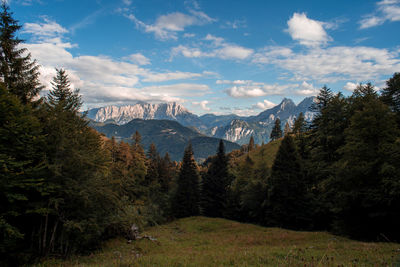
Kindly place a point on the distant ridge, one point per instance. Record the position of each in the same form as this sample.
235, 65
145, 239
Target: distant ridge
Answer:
230, 127
168, 136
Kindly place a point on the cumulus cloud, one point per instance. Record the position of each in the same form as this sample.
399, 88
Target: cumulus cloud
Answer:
249, 89
45, 30
138, 58
167, 26
349, 86
307, 31
220, 49
264, 105
333, 64
103, 79
177, 75
387, 10
202, 104
306, 89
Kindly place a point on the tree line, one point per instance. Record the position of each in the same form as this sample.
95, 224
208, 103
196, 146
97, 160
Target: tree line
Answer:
340, 173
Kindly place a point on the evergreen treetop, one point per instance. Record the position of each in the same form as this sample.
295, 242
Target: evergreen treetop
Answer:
17, 71
276, 132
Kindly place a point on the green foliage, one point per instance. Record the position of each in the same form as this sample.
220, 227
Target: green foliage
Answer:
299, 125
276, 132
391, 95
21, 172
18, 72
215, 185
287, 197
186, 199
366, 169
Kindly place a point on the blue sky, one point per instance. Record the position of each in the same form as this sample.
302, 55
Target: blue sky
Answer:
222, 56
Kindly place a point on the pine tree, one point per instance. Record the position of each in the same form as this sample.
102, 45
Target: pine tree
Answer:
368, 167
62, 96
287, 196
299, 125
186, 199
391, 95
251, 144
77, 166
215, 185
323, 98
287, 129
17, 71
21, 176
276, 132
153, 162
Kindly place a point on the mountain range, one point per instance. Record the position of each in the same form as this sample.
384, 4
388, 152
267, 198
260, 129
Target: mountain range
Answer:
168, 136
231, 127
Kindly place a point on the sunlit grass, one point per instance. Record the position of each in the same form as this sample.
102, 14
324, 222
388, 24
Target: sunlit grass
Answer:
199, 241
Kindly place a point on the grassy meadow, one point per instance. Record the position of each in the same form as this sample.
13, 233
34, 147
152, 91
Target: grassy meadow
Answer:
200, 241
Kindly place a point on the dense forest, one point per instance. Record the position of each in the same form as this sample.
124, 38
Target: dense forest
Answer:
64, 188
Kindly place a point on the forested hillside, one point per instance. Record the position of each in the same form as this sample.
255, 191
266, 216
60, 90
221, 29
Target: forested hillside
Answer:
65, 188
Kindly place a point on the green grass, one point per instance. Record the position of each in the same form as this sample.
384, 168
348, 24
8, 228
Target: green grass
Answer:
199, 241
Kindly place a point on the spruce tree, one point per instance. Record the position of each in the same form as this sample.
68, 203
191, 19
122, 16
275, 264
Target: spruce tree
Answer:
186, 200
391, 95
77, 168
368, 167
215, 185
251, 144
287, 129
17, 71
22, 176
287, 196
299, 125
323, 98
276, 132
153, 162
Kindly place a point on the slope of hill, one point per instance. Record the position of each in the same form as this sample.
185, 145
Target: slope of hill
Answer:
168, 136
200, 241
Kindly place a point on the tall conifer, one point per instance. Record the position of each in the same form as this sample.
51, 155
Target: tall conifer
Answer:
215, 185
17, 70
276, 132
186, 201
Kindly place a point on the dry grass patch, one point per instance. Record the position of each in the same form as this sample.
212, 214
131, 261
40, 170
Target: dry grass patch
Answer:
199, 241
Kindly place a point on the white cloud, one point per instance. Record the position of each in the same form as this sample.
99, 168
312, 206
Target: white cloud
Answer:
233, 52
202, 104
106, 80
333, 64
248, 89
178, 75
306, 89
233, 82
138, 59
189, 35
306, 31
44, 30
264, 105
221, 49
349, 86
236, 24
387, 10
167, 26
371, 21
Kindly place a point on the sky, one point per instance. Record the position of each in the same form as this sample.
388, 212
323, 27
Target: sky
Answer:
212, 56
